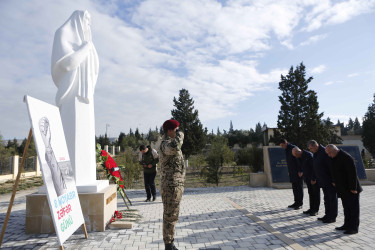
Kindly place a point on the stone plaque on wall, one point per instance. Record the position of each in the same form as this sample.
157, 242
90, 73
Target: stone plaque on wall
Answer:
354, 152
279, 168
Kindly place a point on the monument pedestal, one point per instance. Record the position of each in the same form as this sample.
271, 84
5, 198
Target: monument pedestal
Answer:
258, 180
97, 209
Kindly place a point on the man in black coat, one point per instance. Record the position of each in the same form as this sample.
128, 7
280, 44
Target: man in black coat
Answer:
347, 185
295, 174
305, 159
322, 174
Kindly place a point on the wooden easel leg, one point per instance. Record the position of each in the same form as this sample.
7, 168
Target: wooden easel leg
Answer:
123, 190
84, 230
61, 247
15, 187
122, 195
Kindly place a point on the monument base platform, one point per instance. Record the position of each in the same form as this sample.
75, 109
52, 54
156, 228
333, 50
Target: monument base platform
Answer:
258, 180
95, 187
97, 209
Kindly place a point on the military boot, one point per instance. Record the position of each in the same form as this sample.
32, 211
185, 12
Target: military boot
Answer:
170, 246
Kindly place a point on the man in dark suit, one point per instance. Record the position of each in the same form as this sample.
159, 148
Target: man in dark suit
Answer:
322, 174
305, 159
347, 185
295, 174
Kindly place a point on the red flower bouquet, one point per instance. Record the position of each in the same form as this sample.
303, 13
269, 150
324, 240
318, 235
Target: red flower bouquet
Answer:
113, 172
112, 168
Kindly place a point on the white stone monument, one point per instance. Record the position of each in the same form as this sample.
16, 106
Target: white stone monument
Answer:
74, 69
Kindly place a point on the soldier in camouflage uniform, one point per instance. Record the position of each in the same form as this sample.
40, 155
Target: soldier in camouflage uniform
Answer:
172, 173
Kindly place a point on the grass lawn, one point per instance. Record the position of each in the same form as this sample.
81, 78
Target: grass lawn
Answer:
230, 177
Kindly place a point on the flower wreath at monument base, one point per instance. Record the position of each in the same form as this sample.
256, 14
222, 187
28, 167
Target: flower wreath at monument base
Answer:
126, 215
112, 171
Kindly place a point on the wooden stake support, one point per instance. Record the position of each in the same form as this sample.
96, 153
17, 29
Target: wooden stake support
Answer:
15, 187
84, 230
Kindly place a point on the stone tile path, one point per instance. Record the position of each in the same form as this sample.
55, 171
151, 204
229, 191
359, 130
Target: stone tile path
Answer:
210, 218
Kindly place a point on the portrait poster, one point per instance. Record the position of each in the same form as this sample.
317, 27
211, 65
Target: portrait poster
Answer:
56, 169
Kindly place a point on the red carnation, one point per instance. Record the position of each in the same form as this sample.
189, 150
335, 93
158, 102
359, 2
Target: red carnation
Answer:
111, 166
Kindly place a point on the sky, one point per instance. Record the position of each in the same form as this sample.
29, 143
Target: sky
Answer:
229, 55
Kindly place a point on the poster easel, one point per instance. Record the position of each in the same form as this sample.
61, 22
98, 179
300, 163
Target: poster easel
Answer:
15, 190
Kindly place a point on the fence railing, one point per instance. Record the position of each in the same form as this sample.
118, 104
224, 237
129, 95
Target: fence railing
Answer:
6, 166
9, 167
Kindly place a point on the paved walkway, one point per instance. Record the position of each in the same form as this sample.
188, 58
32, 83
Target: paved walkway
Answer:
211, 218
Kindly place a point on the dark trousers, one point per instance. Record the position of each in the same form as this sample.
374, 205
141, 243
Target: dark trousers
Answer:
314, 196
297, 187
330, 202
150, 184
350, 204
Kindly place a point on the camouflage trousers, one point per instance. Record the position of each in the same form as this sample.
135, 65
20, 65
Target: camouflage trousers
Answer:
171, 197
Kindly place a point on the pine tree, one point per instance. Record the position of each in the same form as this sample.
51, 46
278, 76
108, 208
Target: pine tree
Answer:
218, 155
195, 137
350, 125
357, 127
299, 119
137, 134
122, 141
231, 127
368, 131
342, 127
131, 132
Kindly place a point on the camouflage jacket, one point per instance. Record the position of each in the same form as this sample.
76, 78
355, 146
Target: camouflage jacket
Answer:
172, 169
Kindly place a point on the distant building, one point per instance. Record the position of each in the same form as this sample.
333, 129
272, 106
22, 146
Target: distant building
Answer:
267, 134
355, 140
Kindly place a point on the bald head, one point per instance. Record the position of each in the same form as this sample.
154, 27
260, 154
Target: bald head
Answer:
313, 146
332, 150
297, 152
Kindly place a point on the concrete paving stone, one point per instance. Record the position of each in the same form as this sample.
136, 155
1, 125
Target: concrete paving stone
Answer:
276, 247
227, 248
230, 243
132, 248
115, 241
261, 241
198, 245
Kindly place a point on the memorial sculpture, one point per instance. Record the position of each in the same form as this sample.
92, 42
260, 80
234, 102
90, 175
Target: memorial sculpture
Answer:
74, 69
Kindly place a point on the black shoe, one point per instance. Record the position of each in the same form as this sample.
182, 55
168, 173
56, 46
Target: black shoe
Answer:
153, 199
341, 228
322, 218
292, 206
170, 246
297, 207
327, 221
147, 200
307, 211
351, 231
313, 213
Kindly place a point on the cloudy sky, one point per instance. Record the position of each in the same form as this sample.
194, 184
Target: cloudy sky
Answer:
228, 54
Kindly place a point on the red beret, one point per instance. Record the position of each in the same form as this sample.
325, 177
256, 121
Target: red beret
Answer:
170, 124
